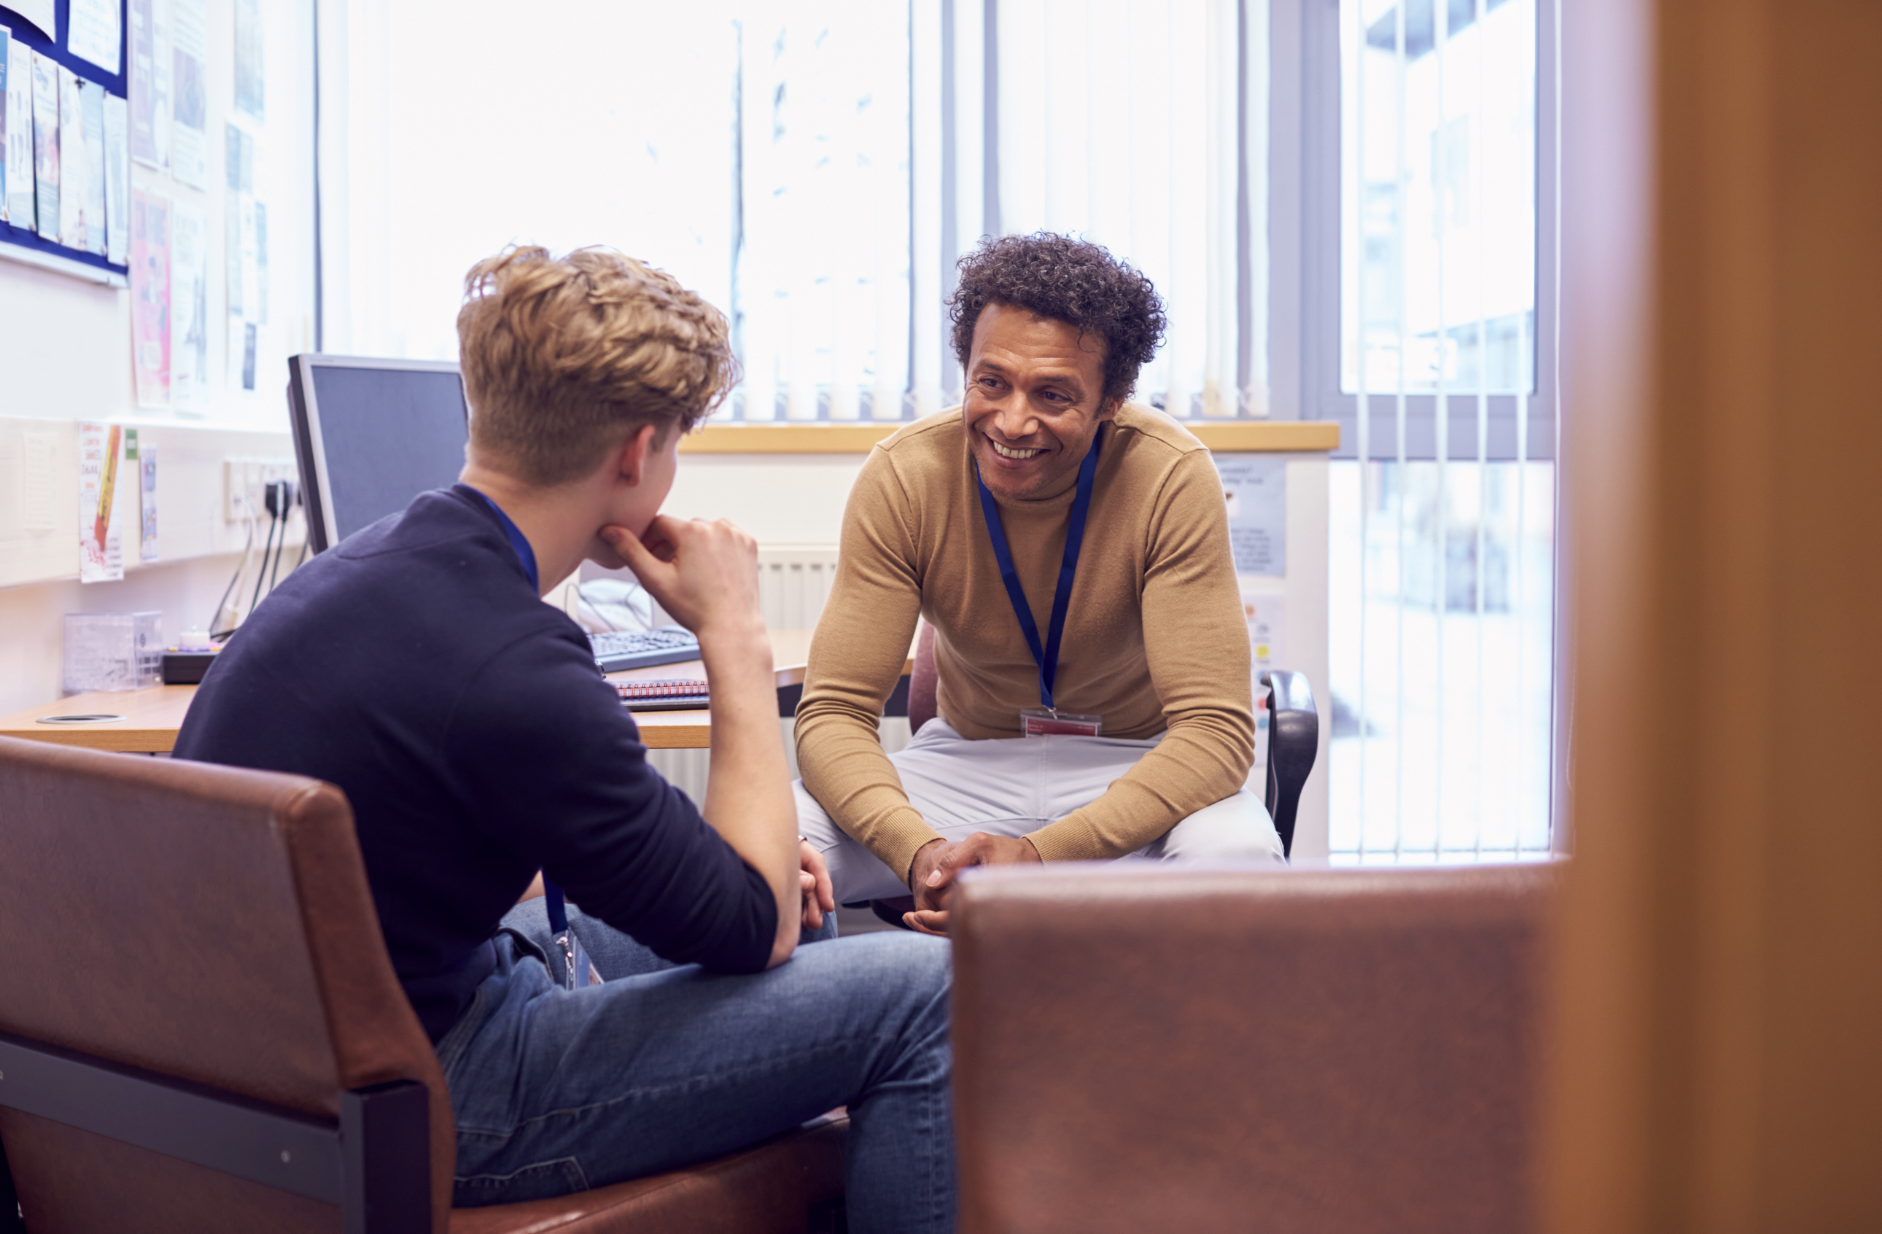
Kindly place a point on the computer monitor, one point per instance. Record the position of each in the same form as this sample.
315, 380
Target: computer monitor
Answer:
370, 435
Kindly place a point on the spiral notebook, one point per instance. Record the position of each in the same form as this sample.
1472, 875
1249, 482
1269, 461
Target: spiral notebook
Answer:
672, 695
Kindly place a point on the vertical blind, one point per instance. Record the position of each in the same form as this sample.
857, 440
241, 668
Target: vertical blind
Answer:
815, 168
1442, 531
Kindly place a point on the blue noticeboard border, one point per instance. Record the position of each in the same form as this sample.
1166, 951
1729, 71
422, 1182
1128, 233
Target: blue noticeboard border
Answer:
114, 83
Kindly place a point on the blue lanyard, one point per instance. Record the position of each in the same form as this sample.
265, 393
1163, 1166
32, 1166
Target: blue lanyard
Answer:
551, 893
1047, 657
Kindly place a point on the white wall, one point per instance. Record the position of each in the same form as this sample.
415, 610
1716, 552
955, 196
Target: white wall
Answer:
65, 356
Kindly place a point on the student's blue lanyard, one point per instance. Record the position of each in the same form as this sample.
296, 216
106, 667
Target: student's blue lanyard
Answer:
552, 894
1047, 657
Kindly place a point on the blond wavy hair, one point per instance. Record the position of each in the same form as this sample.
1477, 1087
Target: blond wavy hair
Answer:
564, 357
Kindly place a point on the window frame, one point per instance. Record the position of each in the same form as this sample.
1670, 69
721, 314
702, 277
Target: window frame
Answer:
1320, 224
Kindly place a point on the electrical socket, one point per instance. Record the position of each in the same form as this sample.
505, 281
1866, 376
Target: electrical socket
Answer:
248, 477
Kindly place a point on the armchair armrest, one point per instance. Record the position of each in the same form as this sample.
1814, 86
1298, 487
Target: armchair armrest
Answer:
1293, 744
1140, 1048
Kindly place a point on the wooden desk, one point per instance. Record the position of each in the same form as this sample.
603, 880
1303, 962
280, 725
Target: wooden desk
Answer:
152, 717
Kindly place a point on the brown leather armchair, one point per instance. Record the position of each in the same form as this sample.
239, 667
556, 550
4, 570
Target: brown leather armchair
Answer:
1150, 1048
200, 1029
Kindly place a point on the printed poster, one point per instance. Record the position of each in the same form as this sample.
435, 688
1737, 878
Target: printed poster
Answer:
189, 85
117, 181
147, 491
92, 125
92, 32
6, 164
189, 309
101, 475
150, 298
1255, 487
249, 74
151, 68
1267, 621
46, 144
71, 161
19, 161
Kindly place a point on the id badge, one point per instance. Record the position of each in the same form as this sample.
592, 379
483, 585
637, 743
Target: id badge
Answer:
577, 970
1044, 722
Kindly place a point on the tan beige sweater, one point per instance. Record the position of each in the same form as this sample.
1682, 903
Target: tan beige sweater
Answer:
1154, 639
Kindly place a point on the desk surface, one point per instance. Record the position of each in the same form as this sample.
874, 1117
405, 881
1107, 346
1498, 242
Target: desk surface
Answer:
152, 717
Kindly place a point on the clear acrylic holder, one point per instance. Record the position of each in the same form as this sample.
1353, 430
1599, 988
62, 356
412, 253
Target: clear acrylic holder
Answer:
113, 651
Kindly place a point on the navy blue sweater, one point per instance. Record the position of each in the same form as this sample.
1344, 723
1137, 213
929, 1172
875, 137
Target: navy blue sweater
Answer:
414, 666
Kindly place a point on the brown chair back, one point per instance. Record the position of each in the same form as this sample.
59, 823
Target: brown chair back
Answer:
208, 924
921, 681
1167, 1049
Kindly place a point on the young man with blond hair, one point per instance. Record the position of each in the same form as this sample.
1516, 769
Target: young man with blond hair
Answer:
415, 666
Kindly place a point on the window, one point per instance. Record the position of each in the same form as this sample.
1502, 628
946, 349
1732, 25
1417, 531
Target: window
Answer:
1442, 531
815, 169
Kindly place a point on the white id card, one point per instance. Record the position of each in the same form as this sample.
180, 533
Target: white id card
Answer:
1044, 722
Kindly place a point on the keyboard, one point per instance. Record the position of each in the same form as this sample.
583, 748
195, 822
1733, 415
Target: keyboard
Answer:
622, 649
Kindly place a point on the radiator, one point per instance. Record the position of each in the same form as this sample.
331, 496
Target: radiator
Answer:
793, 582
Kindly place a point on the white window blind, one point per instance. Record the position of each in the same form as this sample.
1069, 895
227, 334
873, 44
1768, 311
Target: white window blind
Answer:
1442, 532
814, 168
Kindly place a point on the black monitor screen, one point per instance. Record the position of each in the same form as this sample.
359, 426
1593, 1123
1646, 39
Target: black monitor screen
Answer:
388, 435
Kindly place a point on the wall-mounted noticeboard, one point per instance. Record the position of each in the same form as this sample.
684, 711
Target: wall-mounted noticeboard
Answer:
65, 131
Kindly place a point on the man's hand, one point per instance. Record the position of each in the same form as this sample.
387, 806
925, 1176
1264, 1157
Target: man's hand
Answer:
814, 877
939, 862
703, 573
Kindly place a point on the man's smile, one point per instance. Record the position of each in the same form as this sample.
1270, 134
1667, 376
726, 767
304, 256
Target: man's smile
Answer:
1013, 452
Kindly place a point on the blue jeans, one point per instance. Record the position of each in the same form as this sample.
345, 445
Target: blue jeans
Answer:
663, 1066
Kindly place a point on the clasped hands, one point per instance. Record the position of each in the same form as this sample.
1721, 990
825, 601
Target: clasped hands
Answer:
938, 863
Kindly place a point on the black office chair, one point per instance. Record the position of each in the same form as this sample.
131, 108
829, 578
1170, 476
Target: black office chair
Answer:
1293, 744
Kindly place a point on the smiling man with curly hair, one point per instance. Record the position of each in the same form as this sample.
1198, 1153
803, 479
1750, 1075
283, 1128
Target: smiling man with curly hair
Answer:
1071, 551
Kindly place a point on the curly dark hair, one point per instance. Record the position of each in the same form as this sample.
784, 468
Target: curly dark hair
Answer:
1073, 281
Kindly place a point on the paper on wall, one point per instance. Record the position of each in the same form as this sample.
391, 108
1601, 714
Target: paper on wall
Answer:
6, 164
150, 297
117, 180
147, 493
243, 340
189, 309
1266, 617
71, 161
249, 70
189, 138
39, 451
40, 13
46, 145
19, 162
259, 310
101, 473
92, 32
150, 71
1255, 486
92, 126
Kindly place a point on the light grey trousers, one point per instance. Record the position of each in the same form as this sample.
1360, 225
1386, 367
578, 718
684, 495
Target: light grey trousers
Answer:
1013, 786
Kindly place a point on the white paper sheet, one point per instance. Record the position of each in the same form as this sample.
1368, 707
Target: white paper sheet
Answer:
71, 161
189, 309
249, 60
147, 491
92, 104
46, 145
1266, 614
189, 88
1255, 486
40, 13
38, 506
92, 32
117, 180
244, 339
6, 163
